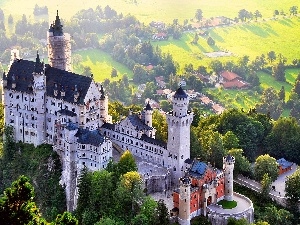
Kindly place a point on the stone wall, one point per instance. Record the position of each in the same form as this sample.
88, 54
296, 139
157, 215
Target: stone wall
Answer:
220, 218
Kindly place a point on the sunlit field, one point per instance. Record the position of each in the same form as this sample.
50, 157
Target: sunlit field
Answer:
148, 10
101, 64
252, 39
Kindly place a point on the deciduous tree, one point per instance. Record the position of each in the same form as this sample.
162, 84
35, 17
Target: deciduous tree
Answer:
284, 139
271, 56
241, 165
292, 185
17, 206
199, 14
270, 103
265, 164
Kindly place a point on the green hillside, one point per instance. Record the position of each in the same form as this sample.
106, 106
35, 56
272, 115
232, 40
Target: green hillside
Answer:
148, 10
252, 39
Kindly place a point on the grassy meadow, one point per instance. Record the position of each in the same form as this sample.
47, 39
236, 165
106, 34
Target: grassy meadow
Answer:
148, 10
247, 99
252, 39
101, 64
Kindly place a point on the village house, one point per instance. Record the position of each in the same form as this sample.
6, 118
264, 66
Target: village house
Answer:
160, 81
230, 80
284, 165
160, 36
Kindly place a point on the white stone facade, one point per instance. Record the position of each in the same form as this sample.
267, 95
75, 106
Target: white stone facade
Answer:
49, 104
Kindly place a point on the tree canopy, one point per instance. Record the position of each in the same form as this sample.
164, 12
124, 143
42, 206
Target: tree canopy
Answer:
265, 164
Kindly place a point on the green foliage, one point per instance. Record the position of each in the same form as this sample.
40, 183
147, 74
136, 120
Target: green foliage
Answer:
200, 220
233, 221
114, 73
126, 163
241, 165
117, 110
278, 217
17, 206
160, 123
292, 187
265, 164
227, 204
278, 71
43, 166
230, 141
65, 219
283, 140
163, 213
270, 103
266, 185
85, 189
211, 147
107, 221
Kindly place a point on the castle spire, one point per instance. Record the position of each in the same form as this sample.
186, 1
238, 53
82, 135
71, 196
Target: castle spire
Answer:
56, 27
38, 67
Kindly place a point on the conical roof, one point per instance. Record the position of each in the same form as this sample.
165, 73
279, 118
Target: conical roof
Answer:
180, 93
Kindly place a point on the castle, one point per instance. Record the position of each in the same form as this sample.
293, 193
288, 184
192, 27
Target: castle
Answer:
201, 186
47, 103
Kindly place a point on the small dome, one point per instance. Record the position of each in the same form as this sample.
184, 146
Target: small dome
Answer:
180, 93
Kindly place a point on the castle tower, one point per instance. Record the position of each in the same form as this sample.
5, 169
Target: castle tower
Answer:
228, 166
103, 106
148, 111
179, 121
184, 200
59, 46
39, 89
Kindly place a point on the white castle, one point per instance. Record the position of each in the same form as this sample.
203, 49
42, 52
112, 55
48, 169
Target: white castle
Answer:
47, 103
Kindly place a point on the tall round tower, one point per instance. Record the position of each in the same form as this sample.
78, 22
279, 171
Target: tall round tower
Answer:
103, 105
179, 122
148, 115
228, 166
184, 200
39, 90
59, 46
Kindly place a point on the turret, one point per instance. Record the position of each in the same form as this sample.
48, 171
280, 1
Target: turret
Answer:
14, 55
228, 166
184, 200
59, 46
148, 115
179, 122
56, 27
103, 105
39, 88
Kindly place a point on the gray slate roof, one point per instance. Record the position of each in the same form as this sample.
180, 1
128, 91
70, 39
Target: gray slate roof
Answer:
138, 123
21, 71
86, 136
154, 141
180, 93
72, 126
67, 112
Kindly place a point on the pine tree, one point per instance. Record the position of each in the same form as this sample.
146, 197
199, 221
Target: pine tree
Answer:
85, 188
163, 213
281, 94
